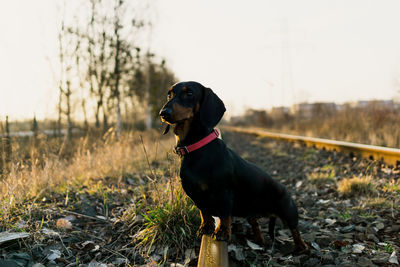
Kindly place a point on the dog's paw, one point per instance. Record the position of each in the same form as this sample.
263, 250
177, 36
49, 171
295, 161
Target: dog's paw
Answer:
205, 230
259, 239
302, 248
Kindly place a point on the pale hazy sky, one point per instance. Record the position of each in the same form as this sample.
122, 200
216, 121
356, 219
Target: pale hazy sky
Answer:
338, 50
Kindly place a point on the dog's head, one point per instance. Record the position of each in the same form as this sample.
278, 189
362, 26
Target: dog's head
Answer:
189, 99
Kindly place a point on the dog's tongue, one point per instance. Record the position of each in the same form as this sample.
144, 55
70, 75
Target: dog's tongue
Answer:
166, 129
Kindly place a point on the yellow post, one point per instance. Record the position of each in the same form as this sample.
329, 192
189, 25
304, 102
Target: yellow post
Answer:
212, 253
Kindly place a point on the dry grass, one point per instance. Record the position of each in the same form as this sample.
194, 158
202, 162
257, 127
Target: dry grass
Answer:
372, 124
392, 186
321, 178
357, 186
379, 202
106, 168
26, 182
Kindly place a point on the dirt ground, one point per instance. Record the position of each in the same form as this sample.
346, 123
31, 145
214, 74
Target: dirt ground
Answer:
341, 231
353, 230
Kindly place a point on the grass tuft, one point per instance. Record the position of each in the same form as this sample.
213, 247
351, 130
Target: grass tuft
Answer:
171, 224
392, 186
357, 186
318, 178
380, 203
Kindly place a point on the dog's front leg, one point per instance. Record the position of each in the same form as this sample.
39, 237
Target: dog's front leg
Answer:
223, 231
207, 224
301, 246
223, 205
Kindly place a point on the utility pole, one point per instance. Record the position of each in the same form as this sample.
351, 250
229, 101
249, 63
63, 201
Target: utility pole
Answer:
287, 84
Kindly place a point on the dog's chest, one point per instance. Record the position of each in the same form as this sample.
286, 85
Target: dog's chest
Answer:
193, 182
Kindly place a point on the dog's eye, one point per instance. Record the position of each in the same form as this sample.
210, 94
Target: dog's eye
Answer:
189, 93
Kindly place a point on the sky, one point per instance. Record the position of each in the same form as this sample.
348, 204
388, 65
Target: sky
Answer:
253, 54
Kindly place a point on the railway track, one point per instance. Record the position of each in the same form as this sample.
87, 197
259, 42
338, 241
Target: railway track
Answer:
390, 156
214, 253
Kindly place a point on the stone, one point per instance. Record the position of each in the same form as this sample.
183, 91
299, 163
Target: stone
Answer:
358, 248
380, 258
327, 258
323, 240
372, 237
360, 228
311, 262
363, 261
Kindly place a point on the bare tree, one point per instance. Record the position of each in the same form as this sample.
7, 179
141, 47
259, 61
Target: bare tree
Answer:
108, 63
98, 73
60, 82
65, 90
117, 70
148, 118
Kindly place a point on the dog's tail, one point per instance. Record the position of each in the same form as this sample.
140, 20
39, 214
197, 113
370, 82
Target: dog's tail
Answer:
271, 227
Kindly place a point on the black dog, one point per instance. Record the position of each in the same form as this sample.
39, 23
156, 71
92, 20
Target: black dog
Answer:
219, 181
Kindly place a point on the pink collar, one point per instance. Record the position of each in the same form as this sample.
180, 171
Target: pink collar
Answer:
182, 150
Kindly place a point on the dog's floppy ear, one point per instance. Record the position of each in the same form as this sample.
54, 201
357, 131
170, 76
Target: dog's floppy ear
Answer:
211, 109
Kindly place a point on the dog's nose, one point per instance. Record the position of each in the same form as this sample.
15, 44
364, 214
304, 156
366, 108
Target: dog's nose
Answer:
165, 113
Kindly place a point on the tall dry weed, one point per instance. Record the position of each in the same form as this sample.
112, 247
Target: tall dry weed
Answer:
26, 182
373, 124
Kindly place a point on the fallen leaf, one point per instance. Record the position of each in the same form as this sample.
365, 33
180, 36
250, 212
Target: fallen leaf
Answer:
330, 221
20, 255
50, 232
7, 236
380, 226
393, 258
253, 246
121, 262
64, 224
94, 263
238, 252
358, 248
55, 254
70, 218
89, 245
315, 245
323, 201
347, 229
190, 254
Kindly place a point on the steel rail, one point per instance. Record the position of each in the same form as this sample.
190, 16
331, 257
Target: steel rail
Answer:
212, 253
391, 156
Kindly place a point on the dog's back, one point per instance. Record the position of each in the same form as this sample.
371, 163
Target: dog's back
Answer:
216, 174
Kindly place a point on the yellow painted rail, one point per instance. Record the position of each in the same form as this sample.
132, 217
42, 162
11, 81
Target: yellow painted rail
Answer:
212, 253
390, 156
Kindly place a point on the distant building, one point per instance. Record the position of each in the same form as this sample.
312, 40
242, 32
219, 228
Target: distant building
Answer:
278, 112
389, 104
308, 110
